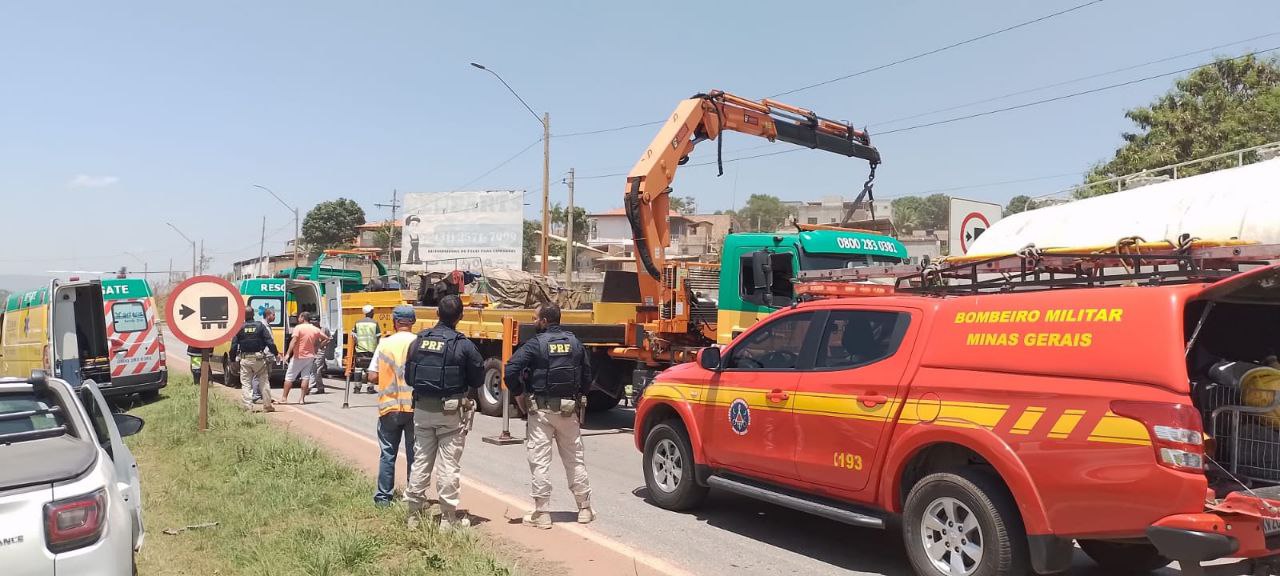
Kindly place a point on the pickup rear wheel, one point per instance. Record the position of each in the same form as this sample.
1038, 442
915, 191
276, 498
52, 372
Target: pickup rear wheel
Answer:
669, 468
964, 523
1124, 557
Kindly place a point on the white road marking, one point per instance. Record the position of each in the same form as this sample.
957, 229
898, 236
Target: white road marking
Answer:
520, 504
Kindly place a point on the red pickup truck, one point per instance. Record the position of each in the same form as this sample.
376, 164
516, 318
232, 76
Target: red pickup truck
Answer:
1002, 421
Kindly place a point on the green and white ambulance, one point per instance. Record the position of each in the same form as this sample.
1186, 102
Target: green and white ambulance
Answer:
101, 330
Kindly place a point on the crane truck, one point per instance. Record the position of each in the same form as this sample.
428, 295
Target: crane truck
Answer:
667, 310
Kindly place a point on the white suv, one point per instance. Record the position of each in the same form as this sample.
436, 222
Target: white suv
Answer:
69, 496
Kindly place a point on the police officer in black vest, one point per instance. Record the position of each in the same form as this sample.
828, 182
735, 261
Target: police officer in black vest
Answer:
559, 372
250, 346
442, 365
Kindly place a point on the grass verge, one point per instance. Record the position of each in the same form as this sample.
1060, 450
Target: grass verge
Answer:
283, 506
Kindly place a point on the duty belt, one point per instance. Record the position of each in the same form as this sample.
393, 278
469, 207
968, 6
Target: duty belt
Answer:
544, 402
254, 354
433, 403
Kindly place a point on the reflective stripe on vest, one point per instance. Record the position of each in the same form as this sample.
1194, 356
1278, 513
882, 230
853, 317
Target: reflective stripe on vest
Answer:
394, 395
367, 332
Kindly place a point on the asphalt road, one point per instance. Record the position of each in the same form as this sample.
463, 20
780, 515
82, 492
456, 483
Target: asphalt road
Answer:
727, 535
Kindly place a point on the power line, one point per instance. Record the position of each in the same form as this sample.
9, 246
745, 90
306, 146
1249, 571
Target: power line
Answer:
500, 164
937, 50
443, 197
1066, 96
970, 116
604, 130
1073, 80
974, 186
708, 163
858, 73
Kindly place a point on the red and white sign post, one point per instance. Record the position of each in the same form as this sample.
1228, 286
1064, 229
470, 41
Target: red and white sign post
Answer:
203, 312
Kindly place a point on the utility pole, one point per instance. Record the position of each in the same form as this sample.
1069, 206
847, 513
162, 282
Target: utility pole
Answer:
546, 186
297, 228
262, 248
202, 255
391, 255
194, 267
568, 243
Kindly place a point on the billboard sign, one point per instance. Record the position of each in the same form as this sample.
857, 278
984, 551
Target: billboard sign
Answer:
462, 230
969, 219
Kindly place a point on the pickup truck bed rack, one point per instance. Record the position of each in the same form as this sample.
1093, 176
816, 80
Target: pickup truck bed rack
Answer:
1126, 263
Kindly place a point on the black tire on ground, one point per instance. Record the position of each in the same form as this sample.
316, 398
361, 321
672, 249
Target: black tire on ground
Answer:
149, 395
599, 401
608, 374
489, 395
1124, 557
230, 373
669, 468
968, 505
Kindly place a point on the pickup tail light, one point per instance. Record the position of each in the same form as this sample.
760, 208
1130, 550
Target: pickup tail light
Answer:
76, 522
1177, 434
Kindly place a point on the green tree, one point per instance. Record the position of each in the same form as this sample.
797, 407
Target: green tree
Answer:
1227, 105
385, 236
684, 204
580, 223
921, 212
764, 212
1019, 203
907, 212
531, 242
331, 224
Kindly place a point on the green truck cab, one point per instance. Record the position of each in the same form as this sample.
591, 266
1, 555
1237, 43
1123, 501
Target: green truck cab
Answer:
757, 268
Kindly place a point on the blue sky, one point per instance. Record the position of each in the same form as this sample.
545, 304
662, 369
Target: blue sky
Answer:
117, 117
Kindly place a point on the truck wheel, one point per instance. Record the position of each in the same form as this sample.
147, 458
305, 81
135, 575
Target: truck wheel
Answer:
607, 374
1124, 557
669, 468
230, 373
598, 401
489, 396
964, 524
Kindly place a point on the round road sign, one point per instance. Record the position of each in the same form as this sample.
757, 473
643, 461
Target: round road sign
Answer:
973, 225
204, 311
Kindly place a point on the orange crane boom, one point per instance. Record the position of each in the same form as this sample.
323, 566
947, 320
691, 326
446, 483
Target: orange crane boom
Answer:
706, 117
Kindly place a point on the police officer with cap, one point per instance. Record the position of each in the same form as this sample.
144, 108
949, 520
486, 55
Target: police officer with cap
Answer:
366, 334
558, 373
442, 366
250, 345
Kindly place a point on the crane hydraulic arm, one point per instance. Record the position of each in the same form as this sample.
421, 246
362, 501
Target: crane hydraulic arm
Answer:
706, 117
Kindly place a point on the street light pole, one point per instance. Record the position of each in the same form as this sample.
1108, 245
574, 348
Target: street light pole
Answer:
546, 187
296, 227
193, 247
545, 121
568, 243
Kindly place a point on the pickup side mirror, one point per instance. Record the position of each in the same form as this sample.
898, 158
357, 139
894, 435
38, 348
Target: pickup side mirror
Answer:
709, 358
127, 424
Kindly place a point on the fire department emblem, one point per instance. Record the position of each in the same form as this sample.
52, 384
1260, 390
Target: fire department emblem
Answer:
739, 416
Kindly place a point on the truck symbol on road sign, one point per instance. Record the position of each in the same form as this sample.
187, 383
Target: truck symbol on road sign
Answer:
213, 311
204, 311
973, 225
